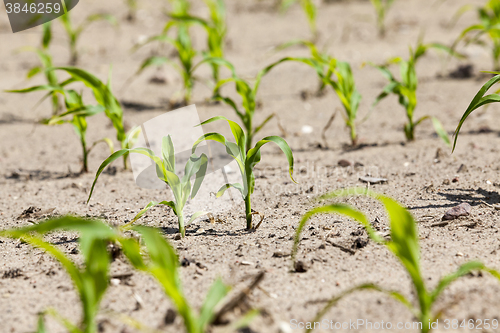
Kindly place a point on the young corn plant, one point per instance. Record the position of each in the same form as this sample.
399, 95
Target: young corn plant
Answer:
406, 88
309, 9
77, 111
162, 263
478, 101
45, 58
338, 75
248, 94
381, 8
182, 44
404, 245
74, 32
216, 29
246, 159
90, 279
104, 97
181, 187
132, 10
488, 26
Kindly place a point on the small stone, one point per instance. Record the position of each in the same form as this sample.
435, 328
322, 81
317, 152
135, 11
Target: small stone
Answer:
280, 254
459, 254
306, 129
461, 210
344, 163
114, 282
170, 317
455, 180
247, 263
300, 267
360, 243
200, 231
373, 180
178, 237
446, 182
185, 262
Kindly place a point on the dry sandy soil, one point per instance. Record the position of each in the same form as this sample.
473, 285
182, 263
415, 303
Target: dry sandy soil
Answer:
35, 161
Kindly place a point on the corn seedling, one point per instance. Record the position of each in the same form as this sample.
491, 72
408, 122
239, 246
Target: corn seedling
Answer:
90, 279
162, 263
78, 111
381, 8
181, 187
246, 159
404, 245
338, 75
216, 29
488, 25
104, 97
182, 45
478, 101
132, 9
45, 63
406, 88
309, 9
248, 94
74, 32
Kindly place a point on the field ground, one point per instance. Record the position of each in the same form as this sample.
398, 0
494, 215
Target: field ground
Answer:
35, 162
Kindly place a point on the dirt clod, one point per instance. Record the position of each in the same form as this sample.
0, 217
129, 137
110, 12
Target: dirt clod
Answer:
12, 273
360, 243
344, 163
170, 316
300, 267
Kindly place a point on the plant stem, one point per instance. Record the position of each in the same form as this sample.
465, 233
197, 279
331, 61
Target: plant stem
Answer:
248, 211
74, 55
125, 161
85, 167
182, 230
354, 135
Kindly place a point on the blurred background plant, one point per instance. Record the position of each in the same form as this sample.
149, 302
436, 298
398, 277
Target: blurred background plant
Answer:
486, 32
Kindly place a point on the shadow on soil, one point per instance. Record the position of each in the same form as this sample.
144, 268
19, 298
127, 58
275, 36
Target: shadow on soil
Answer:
473, 197
24, 175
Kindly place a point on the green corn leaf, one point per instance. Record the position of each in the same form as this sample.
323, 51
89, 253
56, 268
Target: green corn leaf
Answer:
478, 101
447, 280
341, 209
195, 166
91, 282
146, 152
33, 72
438, 127
157, 61
163, 266
46, 35
132, 137
253, 156
216, 293
238, 133
237, 186
168, 154
150, 205
195, 216
258, 128
102, 95
367, 286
